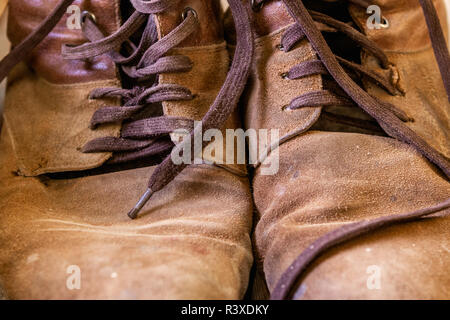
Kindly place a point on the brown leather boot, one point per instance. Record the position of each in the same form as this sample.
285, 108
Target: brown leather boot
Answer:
365, 144
74, 121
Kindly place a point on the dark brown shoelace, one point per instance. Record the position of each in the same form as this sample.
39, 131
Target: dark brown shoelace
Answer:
148, 59
348, 92
148, 137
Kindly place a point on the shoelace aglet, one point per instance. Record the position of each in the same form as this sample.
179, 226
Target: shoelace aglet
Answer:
140, 204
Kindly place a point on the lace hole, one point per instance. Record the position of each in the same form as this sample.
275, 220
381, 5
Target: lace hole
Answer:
285, 75
87, 14
186, 11
257, 6
280, 47
286, 108
384, 23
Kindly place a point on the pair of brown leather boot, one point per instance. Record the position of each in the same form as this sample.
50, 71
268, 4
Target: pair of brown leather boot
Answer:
359, 205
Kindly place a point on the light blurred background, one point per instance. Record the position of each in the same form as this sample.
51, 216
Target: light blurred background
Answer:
4, 45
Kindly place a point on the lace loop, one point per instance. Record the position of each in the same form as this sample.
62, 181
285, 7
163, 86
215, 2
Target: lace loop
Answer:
388, 116
288, 281
323, 98
305, 69
151, 127
224, 104
109, 43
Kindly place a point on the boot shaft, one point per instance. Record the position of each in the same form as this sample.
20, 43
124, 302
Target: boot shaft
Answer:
411, 69
407, 27
46, 60
55, 91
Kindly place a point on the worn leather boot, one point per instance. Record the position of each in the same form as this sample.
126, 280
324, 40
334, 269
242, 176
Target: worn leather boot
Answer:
364, 150
84, 128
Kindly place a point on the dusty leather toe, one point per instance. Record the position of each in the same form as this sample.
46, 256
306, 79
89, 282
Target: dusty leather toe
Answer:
191, 242
327, 180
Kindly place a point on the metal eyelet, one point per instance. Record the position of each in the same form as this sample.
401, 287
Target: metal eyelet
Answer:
285, 75
280, 47
286, 108
87, 14
186, 11
256, 7
385, 23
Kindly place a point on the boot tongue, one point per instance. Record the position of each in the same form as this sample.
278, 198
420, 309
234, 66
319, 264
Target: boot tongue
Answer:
209, 14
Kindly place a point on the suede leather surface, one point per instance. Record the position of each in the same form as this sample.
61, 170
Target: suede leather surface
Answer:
46, 59
424, 98
191, 241
208, 12
328, 179
407, 29
268, 92
49, 123
210, 59
416, 71
210, 64
46, 103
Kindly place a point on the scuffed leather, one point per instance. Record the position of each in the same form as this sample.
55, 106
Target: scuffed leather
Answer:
209, 14
191, 241
268, 93
425, 97
407, 30
415, 70
210, 59
328, 179
46, 104
49, 123
46, 59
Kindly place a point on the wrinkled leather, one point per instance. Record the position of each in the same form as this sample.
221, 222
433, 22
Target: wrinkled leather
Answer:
406, 30
210, 63
424, 98
46, 104
39, 98
272, 17
46, 59
416, 71
192, 240
266, 87
49, 123
209, 14
328, 179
